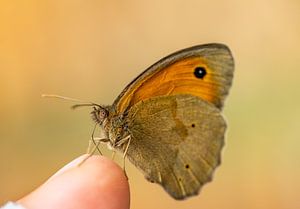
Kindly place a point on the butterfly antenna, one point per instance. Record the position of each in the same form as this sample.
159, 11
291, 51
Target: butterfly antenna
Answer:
82, 103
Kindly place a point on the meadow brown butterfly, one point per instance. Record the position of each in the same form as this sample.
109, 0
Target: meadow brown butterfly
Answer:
168, 120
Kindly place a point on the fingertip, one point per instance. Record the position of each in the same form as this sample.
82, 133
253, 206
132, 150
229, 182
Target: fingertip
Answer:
108, 179
97, 183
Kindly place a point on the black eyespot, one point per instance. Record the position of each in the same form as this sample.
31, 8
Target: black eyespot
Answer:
200, 72
187, 166
193, 125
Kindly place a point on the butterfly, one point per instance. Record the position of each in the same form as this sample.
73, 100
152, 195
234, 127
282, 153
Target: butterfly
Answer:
168, 120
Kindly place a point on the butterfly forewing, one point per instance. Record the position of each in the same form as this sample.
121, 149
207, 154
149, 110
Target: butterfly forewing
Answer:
205, 71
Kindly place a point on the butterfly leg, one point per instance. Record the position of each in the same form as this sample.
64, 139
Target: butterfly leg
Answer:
113, 155
91, 140
124, 155
94, 141
88, 150
127, 145
125, 142
97, 141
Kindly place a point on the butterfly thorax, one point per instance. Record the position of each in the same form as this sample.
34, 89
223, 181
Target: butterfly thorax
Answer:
118, 132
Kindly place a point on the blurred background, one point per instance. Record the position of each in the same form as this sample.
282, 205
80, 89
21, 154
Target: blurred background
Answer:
92, 49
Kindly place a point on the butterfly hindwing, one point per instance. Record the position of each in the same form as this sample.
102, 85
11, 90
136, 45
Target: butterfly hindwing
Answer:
176, 141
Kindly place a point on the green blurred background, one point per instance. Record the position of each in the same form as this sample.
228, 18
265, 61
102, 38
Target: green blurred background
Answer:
92, 49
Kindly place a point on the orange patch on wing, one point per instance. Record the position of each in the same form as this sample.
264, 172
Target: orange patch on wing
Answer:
177, 78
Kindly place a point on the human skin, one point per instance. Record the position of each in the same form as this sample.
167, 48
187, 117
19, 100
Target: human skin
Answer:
98, 183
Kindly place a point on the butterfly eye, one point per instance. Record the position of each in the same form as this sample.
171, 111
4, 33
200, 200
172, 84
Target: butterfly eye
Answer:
200, 72
99, 115
102, 114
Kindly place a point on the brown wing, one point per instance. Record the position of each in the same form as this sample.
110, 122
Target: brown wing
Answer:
205, 71
176, 141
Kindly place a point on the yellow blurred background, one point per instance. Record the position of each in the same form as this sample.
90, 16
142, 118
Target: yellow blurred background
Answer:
92, 49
